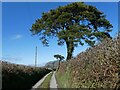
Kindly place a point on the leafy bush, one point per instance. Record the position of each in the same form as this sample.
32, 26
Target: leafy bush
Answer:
20, 76
97, 67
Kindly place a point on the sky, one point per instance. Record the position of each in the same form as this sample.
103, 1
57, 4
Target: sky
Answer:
18, 44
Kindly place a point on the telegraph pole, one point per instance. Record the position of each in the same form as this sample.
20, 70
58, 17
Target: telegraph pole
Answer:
36, 57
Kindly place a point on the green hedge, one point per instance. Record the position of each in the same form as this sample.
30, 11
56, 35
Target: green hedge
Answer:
20, 76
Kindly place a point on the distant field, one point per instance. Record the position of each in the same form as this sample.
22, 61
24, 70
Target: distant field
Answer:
21, 76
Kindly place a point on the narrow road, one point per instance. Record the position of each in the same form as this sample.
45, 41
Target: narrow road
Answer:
53, 83
39, 82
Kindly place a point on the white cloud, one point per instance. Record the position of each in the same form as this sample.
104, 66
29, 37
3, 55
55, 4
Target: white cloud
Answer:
16, 37
11, 58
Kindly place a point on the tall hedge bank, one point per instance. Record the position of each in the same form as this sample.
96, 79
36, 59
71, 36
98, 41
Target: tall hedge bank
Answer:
22, 77
97, 67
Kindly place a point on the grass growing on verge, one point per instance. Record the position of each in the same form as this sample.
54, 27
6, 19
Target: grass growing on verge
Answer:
64, 80
46, 82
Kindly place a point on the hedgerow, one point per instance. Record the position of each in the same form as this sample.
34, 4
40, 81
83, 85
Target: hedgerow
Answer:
97, 67
21, 76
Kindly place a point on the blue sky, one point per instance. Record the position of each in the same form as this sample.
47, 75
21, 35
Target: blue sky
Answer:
18, 42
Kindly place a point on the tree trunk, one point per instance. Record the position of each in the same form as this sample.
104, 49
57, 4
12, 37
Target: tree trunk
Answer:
58, 65
70, 49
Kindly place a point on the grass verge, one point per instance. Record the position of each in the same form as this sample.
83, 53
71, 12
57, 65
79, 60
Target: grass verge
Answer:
63, 80
46, 82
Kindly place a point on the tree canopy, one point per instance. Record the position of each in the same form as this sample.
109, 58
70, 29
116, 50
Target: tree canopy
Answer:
59, 57
73, 25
